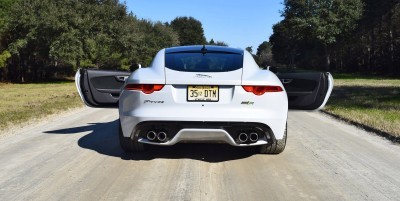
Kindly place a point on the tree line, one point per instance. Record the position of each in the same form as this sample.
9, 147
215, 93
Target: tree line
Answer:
345, 36
42, 39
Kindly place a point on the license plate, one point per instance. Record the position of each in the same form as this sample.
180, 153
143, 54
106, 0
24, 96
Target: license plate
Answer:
203, 93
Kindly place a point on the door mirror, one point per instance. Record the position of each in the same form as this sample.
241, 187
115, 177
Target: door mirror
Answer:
272, 69
134, 66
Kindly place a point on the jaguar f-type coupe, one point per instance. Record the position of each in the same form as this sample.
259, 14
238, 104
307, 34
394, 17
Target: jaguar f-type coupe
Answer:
206, 94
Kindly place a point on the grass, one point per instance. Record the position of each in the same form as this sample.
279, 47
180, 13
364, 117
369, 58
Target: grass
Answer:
370, 101
20, 103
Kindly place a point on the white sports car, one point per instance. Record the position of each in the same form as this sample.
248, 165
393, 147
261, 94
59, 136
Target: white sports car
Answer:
207, 94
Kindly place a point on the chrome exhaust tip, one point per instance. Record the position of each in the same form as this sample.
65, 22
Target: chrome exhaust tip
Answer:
253, 137
162, 136
243, 137
151, 135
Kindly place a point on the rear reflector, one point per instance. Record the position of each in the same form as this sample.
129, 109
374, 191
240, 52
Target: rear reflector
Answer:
260, 90
145, 88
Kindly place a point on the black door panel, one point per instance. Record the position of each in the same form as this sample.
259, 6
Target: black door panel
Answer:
306, 91
101, 88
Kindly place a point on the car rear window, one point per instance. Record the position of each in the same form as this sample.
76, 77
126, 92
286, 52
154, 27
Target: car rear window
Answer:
203, 62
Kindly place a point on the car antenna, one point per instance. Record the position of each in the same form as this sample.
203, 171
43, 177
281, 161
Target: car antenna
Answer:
204, 50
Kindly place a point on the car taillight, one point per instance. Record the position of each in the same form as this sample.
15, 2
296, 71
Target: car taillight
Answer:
145, 88
260, 90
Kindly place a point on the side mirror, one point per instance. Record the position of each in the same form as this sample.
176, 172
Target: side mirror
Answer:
272, 69
134, 66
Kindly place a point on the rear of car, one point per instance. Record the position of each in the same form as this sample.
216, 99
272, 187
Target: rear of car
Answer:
203, 94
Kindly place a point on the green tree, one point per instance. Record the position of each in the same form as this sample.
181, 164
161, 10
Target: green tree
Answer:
79, 33
264, 54
212, 42
157, 36
375, 45
250, 49
218, 43
322, 21
221, 43
285, 43
190, 31
314, 33
4, 56
5, 8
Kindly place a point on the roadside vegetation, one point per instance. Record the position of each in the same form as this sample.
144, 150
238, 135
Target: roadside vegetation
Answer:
367, 100
346, 36
20, 103
62, 36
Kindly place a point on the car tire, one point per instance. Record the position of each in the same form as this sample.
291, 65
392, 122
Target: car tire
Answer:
129, 145
275, 147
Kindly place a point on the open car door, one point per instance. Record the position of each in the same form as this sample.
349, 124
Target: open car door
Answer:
307, 91
100, 88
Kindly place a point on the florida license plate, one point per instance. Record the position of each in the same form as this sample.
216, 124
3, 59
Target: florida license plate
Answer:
203, 93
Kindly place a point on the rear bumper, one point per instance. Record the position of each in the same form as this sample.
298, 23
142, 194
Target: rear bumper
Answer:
220, 126
269, 110
275, 120
212, 132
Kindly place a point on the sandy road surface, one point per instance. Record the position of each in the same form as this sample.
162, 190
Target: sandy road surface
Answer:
77, 157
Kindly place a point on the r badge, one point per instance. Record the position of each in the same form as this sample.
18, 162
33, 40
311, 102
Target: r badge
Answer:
247, 103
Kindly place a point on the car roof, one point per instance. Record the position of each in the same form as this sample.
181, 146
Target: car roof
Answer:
198, 48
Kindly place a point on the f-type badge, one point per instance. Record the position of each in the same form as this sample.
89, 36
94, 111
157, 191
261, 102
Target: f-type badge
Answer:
153, 102
202, 76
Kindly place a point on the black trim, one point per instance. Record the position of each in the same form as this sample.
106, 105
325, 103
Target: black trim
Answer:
197, 49
232, 61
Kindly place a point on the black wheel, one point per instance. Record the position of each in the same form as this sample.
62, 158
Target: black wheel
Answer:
275, 147
129, 145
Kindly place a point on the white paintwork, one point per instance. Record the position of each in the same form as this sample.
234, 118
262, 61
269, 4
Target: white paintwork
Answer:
78, 86
154, 74
270, 108
328, 94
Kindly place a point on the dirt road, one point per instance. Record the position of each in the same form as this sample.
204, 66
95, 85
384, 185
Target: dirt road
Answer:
77, 157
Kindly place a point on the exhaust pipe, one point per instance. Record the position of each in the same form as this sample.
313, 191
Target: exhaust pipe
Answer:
243, 137
162, 136
151, 135
253, 137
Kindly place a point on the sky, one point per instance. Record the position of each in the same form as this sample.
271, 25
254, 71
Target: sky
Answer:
238, 23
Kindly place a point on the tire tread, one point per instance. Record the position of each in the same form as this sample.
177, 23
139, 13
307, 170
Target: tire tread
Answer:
275, 147
129, 145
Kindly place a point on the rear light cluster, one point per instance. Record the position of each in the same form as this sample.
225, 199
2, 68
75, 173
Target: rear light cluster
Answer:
145, 88
260, 90
150, 88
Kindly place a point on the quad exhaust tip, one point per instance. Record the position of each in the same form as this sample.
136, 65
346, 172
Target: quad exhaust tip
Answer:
253, 137
243, 137
248, 138
151, 135
162, 136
